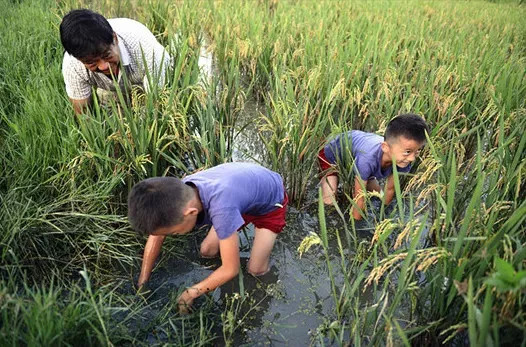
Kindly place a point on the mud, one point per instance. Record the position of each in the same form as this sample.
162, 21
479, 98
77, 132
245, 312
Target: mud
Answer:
287, 305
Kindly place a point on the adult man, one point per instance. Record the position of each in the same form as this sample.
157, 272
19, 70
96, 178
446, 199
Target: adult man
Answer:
102, 53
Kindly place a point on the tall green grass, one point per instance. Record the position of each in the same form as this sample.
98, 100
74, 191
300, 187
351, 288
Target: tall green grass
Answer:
430, 292
351, 62
38, 315
319, 68
64, 180
352, 66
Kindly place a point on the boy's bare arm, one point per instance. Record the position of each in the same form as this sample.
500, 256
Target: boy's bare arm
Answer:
373, 185
389, 189
229, 250
358, 198
151, 252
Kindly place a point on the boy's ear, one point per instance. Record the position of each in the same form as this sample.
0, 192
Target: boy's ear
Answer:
190, 211
385, 147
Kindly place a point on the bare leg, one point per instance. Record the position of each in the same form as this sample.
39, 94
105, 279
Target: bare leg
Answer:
261, 248
373, 185
329, 185
210, 245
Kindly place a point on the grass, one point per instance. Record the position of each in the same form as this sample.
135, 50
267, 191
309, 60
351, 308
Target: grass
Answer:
468, 239
43, 315
316, 71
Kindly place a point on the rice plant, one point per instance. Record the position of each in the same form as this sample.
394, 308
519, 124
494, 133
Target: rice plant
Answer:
316, 69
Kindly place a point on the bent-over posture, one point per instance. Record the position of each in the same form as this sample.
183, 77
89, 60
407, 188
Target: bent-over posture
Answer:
373, 157
100, 51
227, 197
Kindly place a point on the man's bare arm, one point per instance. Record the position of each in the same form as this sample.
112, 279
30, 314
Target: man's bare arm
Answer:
80, 105
151, 252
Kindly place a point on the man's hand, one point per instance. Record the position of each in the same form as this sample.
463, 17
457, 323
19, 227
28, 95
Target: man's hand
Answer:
229, 250
358, 196
81, 105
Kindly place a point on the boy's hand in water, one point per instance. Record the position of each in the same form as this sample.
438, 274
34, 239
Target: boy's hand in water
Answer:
142, 290
186, 299
229, 250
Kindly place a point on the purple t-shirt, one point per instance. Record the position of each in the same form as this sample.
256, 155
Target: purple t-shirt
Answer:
229, 190
366, 149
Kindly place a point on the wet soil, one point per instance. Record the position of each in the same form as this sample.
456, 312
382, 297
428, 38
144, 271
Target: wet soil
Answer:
287, 305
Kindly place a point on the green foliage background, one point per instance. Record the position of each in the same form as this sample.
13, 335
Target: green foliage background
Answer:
319, 67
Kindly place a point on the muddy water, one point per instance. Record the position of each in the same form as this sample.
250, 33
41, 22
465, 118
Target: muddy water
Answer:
299, 299
301, 296
283, 307
287, 305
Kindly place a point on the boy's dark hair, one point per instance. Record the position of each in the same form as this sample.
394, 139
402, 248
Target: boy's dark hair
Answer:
85, 33
410, 126
156, 203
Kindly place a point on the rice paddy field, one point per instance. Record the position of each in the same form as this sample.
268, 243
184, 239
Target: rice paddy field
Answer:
444, 264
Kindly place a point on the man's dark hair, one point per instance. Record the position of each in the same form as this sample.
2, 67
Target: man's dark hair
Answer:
85, 33
410, 126
157, 202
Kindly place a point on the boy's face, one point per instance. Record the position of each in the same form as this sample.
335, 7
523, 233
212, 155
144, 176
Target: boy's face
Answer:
403, 150
184, 227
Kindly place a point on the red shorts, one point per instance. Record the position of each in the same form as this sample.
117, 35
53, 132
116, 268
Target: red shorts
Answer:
273, 221
326, 168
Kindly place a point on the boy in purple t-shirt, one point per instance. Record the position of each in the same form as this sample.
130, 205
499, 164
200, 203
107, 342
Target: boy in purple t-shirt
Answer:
227, 197
373, 157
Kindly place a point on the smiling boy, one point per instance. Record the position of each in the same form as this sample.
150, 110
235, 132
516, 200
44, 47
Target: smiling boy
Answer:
227, 197
373, 157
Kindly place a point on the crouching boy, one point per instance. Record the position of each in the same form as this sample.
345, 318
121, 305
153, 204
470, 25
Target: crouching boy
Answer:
227, 197
373, 157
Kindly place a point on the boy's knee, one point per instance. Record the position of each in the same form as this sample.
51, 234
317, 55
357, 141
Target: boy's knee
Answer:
208, 251
328, 200
258, 270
